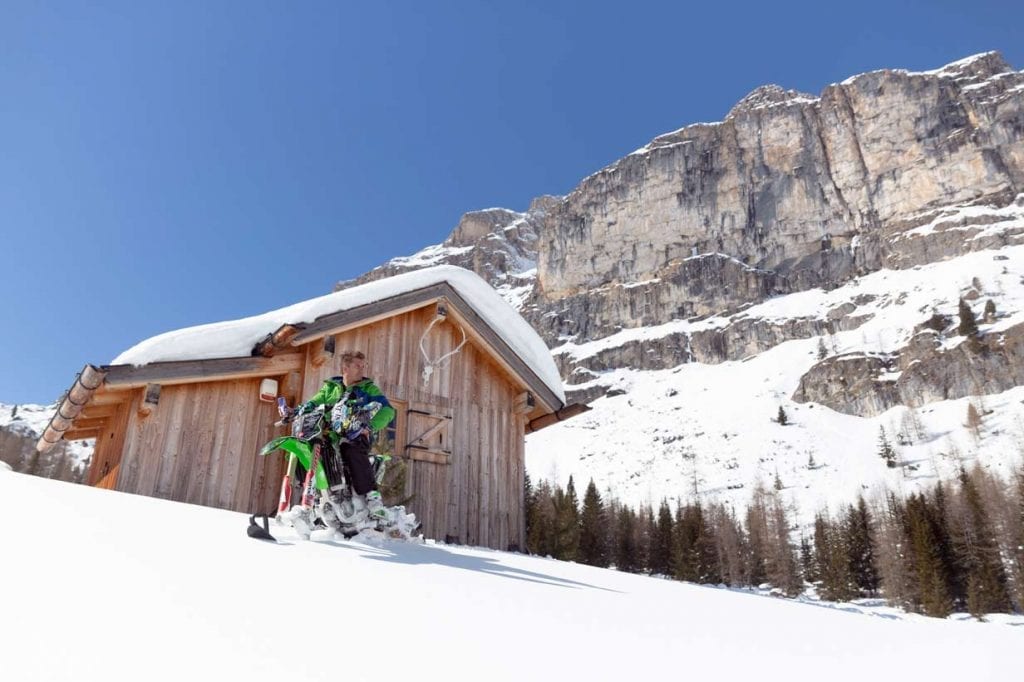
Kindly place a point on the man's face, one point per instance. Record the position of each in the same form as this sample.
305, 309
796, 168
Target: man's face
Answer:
356, 367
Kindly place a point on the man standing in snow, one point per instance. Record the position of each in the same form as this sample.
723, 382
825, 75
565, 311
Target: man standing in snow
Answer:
358, 410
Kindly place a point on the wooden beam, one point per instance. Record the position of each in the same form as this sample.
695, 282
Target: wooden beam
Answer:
82, 434
555, 417
94, 411
78, 396
277, 340
195, 371
421, 454
371, 312
81, 423
326, 352
524, 403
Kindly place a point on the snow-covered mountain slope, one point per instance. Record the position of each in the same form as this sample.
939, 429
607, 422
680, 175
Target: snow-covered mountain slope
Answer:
168, 591
709, 430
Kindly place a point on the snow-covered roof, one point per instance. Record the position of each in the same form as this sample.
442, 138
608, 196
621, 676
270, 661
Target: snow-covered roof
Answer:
236, 338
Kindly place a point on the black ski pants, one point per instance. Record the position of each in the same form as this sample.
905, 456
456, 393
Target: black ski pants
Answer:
356, 457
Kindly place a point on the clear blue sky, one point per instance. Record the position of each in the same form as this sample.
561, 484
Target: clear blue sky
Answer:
170, 164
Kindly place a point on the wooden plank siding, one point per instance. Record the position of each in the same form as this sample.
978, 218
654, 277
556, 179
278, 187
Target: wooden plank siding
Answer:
477, 498
201, 445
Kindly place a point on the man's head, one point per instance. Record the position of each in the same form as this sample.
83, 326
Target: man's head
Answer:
353, 366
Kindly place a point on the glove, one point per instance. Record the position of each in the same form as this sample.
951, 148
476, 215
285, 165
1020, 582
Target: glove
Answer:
354, 429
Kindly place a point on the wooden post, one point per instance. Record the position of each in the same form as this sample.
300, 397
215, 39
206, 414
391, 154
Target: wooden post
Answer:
150, 400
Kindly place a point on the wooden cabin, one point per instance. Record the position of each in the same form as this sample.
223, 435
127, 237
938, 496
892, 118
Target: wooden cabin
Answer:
173, 419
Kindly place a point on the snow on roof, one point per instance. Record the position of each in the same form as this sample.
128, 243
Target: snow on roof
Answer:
236, 338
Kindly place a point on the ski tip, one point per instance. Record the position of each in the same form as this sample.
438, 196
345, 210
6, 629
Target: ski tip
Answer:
257, 532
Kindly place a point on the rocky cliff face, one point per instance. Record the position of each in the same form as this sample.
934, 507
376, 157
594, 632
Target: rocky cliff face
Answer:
790, 192
20, 428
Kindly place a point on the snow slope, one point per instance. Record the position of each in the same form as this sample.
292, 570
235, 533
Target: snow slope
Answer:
105, 585
714, 423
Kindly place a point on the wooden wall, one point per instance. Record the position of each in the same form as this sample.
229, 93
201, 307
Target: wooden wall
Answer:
200, 445
478, 497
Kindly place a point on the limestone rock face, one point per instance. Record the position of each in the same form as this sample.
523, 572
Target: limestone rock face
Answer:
790, 192
920, 373
787, 176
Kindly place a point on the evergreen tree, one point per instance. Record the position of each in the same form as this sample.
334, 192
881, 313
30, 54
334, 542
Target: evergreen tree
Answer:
695, 555
860, 547
626, 549
822, 351
987, 587
782, 417
567, 512
832, 559
660, 555
885, 449
542, 539
593, 544
529, 502
968, 323
951, 566
932, 580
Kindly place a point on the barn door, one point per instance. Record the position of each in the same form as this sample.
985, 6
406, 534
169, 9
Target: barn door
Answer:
429, 437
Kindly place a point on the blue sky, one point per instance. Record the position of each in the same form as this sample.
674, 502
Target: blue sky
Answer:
170, 164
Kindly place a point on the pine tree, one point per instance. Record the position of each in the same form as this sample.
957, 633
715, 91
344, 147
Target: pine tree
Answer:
660, 555
782, 418
542, 539
567, 531
822, 351
593, 545
832, 559
932, 580
860, 547
885, 449
626, 549
968, 323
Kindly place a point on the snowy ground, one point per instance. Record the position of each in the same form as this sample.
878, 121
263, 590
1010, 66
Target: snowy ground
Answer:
710, 428
103, 585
